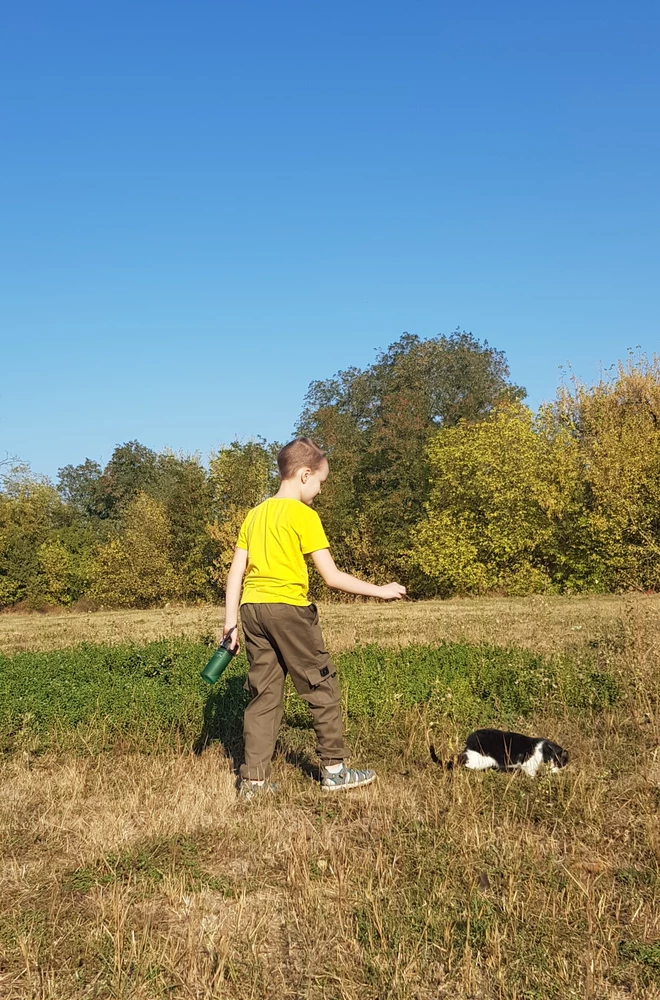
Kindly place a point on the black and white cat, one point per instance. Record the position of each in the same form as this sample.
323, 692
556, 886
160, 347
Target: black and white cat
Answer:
486, 748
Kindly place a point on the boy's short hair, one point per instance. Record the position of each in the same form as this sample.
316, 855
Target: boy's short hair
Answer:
298, 454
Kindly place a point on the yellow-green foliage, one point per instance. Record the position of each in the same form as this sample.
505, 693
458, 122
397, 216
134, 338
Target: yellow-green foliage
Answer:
223, 534
617, 423
133, 567
30, 509
439, 477
496, 492
56, 565
567, 499
241, 477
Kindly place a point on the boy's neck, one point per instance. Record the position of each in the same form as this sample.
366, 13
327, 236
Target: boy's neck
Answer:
290, 489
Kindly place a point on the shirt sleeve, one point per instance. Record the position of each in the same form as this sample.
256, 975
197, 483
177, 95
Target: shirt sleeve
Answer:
312, 535
242, 542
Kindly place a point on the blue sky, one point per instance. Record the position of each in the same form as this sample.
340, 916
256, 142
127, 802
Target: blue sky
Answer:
207, 205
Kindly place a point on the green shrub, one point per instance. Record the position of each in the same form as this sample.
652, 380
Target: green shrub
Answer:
95, 697
471, 684
98, 695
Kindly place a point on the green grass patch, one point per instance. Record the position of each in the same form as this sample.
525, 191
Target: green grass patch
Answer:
149, 864
150, 697
645, 956
469, 683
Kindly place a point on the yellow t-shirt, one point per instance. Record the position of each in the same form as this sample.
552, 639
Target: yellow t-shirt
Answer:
277, 535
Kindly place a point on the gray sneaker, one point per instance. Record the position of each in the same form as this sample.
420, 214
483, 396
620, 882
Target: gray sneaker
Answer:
348, 777
247, 790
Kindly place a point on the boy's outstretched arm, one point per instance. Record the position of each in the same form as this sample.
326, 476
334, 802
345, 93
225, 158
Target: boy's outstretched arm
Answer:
233, 594
337, 580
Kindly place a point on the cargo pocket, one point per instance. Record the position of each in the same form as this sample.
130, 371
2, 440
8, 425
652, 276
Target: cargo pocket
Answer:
319, 673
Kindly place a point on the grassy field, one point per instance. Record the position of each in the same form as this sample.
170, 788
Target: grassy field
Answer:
540, 623
130, 870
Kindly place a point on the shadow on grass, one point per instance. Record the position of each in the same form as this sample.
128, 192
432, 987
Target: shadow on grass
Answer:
301, 761
223, 723
223, 720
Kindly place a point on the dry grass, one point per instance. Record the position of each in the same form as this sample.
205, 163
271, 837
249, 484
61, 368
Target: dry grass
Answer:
542, 623
143, 877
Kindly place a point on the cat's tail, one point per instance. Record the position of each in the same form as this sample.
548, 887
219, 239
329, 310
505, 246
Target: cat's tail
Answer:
446, 765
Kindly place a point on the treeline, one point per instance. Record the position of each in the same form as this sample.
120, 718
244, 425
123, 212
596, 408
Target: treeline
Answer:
441, 477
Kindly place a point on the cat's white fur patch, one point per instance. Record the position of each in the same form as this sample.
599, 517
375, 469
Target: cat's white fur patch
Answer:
533, 763
477, 761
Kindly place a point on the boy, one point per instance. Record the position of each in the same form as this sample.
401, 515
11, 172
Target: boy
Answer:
281, 627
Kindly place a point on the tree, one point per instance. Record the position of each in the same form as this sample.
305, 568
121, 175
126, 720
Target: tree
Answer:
132, 469
617, 426
133, 569
57, 571
376, 425
82, 487
242, 475
503, 491
182, 485
30, 510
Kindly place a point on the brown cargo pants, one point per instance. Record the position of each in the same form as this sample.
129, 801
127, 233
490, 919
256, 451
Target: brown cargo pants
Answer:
281, 639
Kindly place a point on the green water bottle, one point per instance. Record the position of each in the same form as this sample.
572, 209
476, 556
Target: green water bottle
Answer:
220, 660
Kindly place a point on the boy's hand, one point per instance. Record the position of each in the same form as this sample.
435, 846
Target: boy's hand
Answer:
235, 643
392, 592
